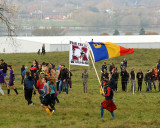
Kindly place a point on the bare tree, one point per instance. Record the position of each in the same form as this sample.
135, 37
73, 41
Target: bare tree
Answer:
7, 10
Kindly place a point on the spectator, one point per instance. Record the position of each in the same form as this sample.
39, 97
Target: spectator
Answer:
104, 66
153, 78
63, 79
147, 80
133, 80
43, 49
158, 65
57, 74
159, 79
111, 82
1, 81
22, 69
85, 80
104, 76
39, 52
122, 66
140, 79
115, 76
125, 62
111, 68
124, 78
69, 80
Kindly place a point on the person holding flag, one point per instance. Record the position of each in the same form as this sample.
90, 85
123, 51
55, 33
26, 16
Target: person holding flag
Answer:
108, 102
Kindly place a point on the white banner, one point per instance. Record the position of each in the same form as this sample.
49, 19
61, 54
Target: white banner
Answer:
79, 54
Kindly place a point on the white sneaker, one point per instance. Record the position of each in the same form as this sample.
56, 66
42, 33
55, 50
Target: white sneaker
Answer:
52, 111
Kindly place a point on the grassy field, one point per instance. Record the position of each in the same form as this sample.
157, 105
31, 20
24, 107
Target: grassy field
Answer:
79, 110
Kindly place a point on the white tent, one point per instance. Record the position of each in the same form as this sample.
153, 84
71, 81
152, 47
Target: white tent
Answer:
61, 43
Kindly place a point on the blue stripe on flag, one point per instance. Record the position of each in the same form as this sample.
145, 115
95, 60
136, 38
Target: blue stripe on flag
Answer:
99, 51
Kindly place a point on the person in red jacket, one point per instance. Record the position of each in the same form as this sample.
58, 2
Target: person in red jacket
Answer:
108, 102
40, 86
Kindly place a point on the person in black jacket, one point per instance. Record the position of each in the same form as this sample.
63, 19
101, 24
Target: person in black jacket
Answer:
63, 79
140, 79
115, 76
104, 66
28, 87
111, 82
124, 79
69, 80
104, 76
133, 79
147, 80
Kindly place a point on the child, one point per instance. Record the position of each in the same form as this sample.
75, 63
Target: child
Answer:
11, 80
51, 84
108, 103
40, 86
85, 80
47, 98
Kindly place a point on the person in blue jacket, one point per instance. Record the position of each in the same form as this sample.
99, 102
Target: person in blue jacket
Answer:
28, 88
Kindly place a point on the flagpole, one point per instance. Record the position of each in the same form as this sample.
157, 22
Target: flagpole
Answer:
95, 69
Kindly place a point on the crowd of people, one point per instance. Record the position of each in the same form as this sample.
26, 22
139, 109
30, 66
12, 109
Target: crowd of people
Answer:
43, 78
151, 77
50, 81
47, 80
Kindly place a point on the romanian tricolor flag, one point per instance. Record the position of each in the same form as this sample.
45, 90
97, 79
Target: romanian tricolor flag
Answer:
108, 50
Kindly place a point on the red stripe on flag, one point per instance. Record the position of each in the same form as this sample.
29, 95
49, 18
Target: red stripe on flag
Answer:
125, 51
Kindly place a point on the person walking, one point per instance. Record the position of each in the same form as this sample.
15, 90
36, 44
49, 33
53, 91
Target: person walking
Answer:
108, 102
28, 87
40, 86
11, 80
47, 97
4, 68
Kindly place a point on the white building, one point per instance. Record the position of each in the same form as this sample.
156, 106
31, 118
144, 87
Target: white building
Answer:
61, 43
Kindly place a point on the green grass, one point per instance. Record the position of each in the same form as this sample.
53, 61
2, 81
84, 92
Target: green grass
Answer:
79, 110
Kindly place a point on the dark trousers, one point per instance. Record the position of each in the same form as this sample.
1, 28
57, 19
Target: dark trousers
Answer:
57, 85
22, 81
139, 85
41, 97
56, 99
52, 99
28, 95
124, 84
116, 83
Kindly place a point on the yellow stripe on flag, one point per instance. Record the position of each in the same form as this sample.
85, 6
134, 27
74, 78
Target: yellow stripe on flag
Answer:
113, 49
